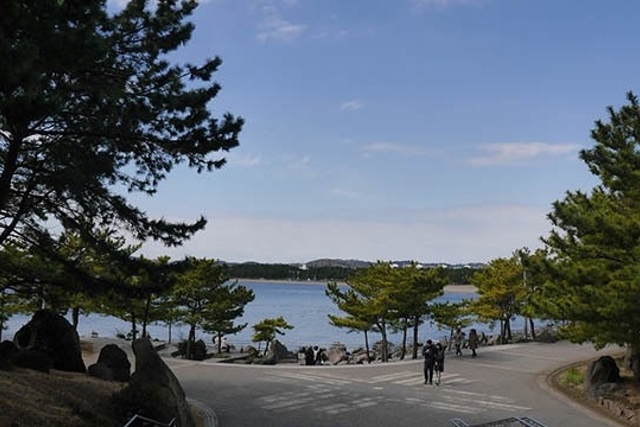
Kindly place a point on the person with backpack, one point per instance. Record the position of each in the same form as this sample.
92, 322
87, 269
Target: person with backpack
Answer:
429, 354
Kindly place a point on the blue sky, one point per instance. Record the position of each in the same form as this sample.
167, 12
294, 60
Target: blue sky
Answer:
433, 130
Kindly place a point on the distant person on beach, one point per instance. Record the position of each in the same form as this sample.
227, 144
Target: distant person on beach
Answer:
473, 342
458, 337
439, 362
429, 354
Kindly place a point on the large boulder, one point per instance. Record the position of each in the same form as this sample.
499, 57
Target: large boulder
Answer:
602, 371
8, 353
547, 335
50, 334
112, 365
154, 390
275, 353
34, 359
337, 353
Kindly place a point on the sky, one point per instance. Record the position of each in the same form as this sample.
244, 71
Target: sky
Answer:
427, 130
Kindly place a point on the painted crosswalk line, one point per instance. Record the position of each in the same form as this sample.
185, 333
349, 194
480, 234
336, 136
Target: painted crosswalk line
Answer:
326, 392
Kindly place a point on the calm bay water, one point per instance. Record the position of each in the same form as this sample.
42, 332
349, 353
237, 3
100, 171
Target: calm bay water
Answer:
304, 305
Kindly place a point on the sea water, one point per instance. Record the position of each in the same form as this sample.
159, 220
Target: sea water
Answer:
303, 305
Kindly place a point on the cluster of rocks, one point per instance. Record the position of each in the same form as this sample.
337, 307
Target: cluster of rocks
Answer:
601, 382
48, 342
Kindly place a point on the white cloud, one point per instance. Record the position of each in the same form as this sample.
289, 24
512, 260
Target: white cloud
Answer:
351, 105
296, 162
514, 152
390, 147
443, 4
345, 194
247, 161
456, 235
275, 28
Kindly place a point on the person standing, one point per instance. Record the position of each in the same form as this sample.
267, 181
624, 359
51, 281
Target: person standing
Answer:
458, 337
473, 342
439, 362
429, 354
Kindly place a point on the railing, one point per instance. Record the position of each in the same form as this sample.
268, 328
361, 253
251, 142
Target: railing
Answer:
148, 422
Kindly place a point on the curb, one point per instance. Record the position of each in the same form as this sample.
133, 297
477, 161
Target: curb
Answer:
209, 417
544, 380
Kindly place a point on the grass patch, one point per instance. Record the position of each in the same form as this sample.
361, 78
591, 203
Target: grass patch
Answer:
574, 376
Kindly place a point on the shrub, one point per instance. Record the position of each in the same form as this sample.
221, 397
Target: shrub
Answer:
141, 399
198, 350
574, 376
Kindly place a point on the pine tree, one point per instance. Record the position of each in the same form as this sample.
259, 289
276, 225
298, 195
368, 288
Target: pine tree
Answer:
595, 242
93, 108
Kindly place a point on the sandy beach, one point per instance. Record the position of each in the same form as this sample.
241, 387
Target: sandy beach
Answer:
467, 289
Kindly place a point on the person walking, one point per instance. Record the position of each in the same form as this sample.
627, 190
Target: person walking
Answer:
429, 354
439, 363
458, 337
473, 342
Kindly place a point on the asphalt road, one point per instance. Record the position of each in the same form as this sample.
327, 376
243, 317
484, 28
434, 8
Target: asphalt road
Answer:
503, 381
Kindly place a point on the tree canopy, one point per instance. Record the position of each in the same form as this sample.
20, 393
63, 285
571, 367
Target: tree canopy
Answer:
380, 296
595, 241
92, 108
501, 293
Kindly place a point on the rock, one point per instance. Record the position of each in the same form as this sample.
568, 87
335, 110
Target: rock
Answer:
547, 335
603, 370
152, 373
361, 356
112, 364
8, 353
53, 335
276, 352
337, 353
34, 359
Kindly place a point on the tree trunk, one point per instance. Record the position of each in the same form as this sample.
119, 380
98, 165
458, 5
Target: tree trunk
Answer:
134, 332
533, 329
145, 319
383, 332
75, 316
404, 340
366, 345
416, 321
191, 340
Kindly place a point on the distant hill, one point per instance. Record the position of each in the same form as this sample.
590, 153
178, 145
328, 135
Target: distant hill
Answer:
352, 263
355, 264
334, 269
344, 263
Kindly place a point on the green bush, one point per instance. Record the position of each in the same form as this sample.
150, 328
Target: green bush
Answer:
573, 376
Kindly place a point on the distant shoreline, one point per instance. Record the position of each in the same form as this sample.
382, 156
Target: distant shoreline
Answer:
465, 289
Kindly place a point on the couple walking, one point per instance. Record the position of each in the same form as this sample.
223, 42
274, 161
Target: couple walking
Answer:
433, 361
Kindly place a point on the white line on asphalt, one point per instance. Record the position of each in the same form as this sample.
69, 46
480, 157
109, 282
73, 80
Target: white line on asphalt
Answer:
464, 409
315, 378
471, 393
388, 377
